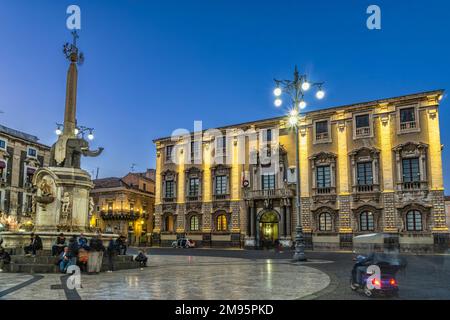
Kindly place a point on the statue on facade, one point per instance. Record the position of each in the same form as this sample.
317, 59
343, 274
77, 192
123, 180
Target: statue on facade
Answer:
65, 204
91, 206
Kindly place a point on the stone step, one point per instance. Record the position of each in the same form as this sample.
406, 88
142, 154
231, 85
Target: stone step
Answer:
33, 260
46, 264
21, 259
33, 268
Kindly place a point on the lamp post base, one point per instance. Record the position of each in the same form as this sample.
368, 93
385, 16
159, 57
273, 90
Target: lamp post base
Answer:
299, 254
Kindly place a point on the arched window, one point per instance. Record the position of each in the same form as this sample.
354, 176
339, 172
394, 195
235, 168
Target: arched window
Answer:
366, 221
414, 220
221, 223
325, 223
194, 223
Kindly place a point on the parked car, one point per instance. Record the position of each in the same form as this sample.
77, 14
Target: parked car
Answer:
183, 243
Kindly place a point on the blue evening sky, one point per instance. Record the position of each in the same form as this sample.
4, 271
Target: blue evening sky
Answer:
154, 66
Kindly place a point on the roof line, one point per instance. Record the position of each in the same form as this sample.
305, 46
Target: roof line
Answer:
378, 101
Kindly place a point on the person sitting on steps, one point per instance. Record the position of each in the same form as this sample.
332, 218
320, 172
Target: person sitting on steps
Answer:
34, 246
59, 245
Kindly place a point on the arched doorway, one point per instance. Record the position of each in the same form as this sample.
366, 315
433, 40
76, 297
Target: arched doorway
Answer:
268, 229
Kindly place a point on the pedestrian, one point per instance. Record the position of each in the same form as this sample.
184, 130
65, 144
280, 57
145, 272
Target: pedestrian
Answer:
95, 255
111, 252
4, 258
141, 258
83, 258
59, 245
121, 244
73, 249
83, 241
34, 246
64, 260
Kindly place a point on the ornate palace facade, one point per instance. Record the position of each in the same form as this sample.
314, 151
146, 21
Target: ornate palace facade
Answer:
125, 206
364, 168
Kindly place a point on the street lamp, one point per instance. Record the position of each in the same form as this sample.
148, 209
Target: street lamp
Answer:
78, 130
295, 90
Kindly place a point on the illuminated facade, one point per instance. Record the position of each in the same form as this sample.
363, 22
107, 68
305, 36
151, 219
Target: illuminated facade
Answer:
21, 155
364, 168
125, 206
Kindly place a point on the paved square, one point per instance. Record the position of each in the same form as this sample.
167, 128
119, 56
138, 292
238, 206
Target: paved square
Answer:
185, 277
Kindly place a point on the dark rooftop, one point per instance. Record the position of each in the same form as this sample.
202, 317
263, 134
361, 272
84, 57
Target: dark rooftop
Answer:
18, 134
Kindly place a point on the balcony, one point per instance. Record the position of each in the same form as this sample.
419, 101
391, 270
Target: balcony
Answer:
414, 185
322, 136
324, 190
362, 132
364, 188
169, 199
119, 215
405, 126
268, 193
366, 192
222, 197
193, 198
324, 194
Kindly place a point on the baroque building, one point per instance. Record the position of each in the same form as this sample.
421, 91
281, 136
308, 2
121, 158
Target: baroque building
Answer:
364, 168
21, 155
125, 206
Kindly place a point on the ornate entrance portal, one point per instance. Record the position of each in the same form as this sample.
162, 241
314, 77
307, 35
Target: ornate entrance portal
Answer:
268, 229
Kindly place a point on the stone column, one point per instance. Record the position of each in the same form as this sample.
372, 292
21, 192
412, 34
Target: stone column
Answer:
288, 222
390, 223
252, 220
281, 224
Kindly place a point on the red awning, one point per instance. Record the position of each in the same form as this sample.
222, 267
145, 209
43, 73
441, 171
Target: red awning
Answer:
2, 164
30, 170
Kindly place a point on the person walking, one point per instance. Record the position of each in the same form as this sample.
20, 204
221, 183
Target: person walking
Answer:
95, 255
73, 249
111, 253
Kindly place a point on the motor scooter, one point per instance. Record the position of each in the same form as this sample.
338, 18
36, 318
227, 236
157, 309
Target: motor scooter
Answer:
368, 246
383, 284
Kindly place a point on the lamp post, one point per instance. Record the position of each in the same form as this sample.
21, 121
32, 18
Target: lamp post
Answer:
295, 90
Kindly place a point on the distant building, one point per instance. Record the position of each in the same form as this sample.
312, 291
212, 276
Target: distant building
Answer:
125, 206
20, 155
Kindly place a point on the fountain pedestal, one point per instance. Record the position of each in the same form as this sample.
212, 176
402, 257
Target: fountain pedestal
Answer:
62, 199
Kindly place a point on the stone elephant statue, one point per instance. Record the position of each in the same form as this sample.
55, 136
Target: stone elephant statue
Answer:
75, 148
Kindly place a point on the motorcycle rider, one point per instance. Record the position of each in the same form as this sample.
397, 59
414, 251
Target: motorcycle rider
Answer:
360, 267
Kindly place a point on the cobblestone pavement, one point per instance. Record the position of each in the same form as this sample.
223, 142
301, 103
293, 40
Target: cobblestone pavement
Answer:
185, 277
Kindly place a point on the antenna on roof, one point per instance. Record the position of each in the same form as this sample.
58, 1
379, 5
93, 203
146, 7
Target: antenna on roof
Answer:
133, 165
